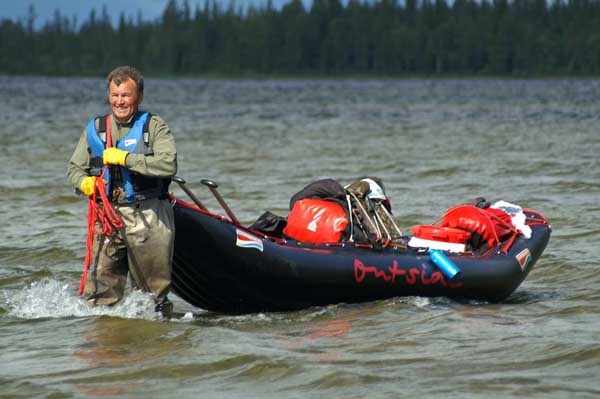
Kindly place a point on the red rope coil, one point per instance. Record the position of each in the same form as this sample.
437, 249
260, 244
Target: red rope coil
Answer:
100, 211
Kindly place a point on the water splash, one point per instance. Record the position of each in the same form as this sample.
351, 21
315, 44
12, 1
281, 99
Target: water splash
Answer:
50, 298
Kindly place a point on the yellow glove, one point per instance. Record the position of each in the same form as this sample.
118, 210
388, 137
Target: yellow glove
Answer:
114, 156
88, 185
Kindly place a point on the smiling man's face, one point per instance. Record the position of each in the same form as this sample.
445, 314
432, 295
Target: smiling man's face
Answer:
124, 99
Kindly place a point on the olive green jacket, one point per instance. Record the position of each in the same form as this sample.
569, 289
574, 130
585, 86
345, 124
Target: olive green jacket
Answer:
162, 164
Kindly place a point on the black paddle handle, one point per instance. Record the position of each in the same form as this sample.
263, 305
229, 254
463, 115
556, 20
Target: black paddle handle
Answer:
212, 186
184, 187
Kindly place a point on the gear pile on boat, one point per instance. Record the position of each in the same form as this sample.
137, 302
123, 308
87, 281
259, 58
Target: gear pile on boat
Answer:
342, 245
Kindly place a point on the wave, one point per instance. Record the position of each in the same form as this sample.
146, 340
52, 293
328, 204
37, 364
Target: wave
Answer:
51, 298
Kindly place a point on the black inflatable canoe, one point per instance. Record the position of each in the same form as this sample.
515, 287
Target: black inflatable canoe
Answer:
222, 266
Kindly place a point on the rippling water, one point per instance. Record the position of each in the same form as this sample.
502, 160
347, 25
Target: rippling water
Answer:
435, 143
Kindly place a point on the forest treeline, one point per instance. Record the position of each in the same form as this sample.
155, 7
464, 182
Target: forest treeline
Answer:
367, 37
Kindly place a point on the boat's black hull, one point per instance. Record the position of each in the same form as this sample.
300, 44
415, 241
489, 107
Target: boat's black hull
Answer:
220, 267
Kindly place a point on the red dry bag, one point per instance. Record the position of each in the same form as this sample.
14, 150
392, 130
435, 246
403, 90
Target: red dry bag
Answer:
316, 221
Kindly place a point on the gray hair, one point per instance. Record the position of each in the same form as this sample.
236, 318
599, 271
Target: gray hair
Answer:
122, 73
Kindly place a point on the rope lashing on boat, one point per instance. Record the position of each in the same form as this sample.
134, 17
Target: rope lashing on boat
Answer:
100, 211
487, 228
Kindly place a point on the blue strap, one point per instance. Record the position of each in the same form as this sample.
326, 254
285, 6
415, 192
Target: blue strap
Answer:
97, 146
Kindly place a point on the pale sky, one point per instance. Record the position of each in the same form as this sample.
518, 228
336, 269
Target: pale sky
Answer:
17, 10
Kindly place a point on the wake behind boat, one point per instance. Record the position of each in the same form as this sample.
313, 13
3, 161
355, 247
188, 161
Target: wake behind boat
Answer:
223, 266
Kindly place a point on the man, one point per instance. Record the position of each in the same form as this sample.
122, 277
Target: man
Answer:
139, 150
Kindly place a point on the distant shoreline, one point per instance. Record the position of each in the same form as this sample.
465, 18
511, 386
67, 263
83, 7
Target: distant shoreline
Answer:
356, 77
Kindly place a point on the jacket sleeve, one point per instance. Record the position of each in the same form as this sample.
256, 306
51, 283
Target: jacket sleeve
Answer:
163, 161
79, 162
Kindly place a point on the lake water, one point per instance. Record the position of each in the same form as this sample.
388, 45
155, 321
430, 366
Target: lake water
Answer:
435, 144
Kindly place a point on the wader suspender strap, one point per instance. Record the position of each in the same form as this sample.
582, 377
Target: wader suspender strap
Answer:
146, 131
107, 128
102, 127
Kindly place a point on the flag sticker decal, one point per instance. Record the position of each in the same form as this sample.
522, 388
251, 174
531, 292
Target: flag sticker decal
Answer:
245, 240
523, 258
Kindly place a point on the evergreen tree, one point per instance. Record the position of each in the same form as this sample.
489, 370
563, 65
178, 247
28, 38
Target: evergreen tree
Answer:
331, 37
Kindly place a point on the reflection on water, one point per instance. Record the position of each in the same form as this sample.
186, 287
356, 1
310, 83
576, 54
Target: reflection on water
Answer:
138, 349
112, 341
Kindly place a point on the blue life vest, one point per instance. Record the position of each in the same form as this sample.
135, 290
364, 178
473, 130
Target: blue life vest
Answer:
136, 186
